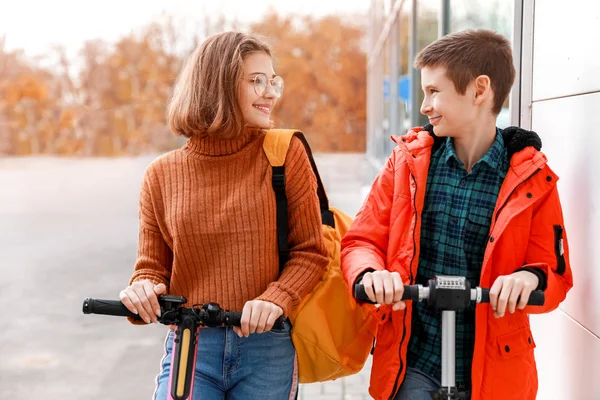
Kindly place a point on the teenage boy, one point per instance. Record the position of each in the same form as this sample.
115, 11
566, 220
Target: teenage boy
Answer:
461, 197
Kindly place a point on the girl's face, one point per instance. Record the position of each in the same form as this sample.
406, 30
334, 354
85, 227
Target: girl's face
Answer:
259, 90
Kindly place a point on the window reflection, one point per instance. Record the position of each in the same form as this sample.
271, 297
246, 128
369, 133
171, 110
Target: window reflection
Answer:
496, 15
464, 14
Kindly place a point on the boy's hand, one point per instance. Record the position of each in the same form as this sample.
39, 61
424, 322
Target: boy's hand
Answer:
509, 288
384, 287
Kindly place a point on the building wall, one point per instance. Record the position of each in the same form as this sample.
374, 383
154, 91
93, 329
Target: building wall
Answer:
561, 101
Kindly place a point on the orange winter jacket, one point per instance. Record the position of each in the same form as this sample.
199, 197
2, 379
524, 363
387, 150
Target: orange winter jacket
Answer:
526, 229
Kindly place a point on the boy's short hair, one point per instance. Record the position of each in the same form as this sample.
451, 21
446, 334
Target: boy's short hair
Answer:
205, 97
470, 53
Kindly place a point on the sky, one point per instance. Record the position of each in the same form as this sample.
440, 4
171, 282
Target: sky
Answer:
37, 25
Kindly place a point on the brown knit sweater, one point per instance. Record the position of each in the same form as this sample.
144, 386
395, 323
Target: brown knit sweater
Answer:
208, 224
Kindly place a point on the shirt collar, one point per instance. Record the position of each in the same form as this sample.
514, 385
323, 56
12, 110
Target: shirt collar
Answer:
492, 158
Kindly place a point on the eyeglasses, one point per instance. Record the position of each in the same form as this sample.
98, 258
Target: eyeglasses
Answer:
261, 82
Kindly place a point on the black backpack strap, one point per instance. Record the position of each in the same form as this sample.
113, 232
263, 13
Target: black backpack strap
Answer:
278, 182
326, 213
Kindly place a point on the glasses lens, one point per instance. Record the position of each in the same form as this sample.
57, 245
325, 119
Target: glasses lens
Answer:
260, 84
278, 85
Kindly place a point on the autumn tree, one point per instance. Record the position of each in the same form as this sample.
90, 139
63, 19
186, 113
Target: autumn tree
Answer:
324, 67
111, 100
30, 110
125, 91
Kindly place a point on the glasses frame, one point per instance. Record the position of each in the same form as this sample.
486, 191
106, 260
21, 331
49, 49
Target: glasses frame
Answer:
270, 82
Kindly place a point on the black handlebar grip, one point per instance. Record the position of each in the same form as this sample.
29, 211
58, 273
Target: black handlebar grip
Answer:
536, 298
411, 292
107, 307
485, 295
360, 294
279, 323
235, 318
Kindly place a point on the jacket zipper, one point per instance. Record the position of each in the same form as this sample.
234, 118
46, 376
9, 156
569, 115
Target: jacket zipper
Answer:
511, 193
509, 196
395, 388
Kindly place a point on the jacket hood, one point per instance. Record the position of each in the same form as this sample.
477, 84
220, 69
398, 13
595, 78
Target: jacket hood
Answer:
515, 139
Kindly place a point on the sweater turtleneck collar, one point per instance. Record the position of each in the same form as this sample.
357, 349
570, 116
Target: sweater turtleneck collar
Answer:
213, 146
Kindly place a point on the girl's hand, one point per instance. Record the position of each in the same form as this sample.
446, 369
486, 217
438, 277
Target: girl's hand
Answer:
141, 298
258, 316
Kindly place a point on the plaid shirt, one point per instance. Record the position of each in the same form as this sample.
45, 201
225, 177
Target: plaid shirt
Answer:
455, 224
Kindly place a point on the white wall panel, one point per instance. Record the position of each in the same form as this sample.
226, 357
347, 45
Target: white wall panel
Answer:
569, 131
568, 358
564, 97
566, 51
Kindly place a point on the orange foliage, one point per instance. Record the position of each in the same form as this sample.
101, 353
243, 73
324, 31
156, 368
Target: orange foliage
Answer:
115, 104
325, 75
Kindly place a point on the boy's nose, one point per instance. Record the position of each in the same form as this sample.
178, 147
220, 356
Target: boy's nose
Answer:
425, 108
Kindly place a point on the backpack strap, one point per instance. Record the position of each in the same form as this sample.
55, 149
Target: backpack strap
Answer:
275, 146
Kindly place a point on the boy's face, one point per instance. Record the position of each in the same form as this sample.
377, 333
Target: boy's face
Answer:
450, 113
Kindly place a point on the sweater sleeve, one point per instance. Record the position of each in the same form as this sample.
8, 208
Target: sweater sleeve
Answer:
308, 255
154, 256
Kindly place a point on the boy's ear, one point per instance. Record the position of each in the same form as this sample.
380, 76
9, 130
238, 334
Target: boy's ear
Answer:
483, 89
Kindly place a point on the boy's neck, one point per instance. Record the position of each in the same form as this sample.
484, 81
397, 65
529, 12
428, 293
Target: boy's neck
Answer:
472, 146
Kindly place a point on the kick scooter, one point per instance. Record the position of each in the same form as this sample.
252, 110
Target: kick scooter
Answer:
448, 294
188, 322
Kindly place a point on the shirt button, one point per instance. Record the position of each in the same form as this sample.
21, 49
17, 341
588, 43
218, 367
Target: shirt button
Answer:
454, 221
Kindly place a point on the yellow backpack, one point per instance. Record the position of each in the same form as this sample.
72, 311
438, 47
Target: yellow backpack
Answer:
331, 332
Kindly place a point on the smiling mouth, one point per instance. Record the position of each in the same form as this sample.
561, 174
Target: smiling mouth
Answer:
434, 119
264, 109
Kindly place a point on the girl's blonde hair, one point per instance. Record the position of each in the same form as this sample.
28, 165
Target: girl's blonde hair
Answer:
205, 97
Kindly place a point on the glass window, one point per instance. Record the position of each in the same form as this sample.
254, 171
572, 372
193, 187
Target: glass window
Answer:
490, 14
385, 123
403, 71
376, 24
377, 107
496, 15
387, 7
427, 32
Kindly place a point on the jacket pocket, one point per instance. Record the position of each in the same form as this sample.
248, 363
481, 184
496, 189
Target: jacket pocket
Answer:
515, 375
516, 343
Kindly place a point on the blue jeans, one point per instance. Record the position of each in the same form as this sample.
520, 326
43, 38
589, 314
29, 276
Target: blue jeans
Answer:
416, 386
259, 367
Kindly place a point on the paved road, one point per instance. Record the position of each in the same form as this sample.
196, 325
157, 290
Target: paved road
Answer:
68, 229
